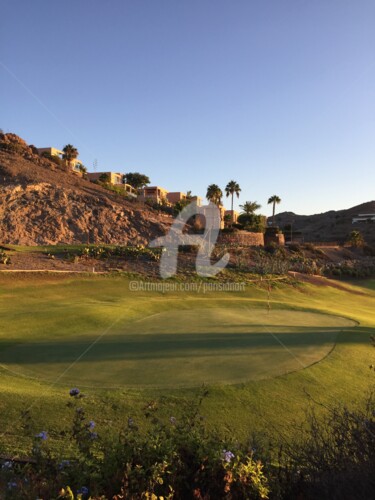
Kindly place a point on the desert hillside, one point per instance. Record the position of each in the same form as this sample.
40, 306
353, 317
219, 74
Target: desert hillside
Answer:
332, 225
42, 203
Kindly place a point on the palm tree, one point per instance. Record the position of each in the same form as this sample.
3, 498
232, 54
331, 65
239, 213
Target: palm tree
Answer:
70, 153
274, 200
249, 207
214, 194
231, 189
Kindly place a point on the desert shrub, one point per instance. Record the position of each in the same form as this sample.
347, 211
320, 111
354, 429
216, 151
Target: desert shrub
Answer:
356, 239
335, 457
295, 247
54, 159
12, 147
129, 252
160, 207
34, 149
4, 258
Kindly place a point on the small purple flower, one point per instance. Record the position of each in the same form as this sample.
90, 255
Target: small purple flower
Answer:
63, 464
227, 456
12, 484
91, 424
83, 491
42, 435
7, 465
74, 391
93, 435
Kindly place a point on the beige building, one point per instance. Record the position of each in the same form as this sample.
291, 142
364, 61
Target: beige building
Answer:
114, 178
175, 196
155, 193
75, 164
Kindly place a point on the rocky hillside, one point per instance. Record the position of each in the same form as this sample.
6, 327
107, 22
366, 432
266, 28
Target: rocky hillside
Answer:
330, 226
43, 203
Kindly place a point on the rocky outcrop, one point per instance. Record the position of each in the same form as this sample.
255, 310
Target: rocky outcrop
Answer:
41, 203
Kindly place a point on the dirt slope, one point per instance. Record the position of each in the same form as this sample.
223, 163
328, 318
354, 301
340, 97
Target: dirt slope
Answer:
42, 203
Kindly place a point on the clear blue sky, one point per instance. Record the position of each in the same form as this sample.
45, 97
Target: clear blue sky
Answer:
278, 95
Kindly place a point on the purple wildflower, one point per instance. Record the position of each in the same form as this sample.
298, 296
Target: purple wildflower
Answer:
227, 456
74, 391
7, 465
42, 435
63, 464
93, 435
83, 491
12, 484
91, 424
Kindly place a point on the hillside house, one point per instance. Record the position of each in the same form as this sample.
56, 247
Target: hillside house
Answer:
156, 194
75, 164
363, 218
115, 179
175, 196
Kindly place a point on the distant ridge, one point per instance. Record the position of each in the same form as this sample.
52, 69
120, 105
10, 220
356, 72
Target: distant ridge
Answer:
330, 226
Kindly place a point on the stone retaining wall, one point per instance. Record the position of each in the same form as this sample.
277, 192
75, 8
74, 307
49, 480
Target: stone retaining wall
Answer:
243, 238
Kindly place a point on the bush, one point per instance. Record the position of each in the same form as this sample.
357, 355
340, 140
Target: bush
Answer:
12, 147
173, 459
4, 258
335, 457
295, 247
129, 252
53, 158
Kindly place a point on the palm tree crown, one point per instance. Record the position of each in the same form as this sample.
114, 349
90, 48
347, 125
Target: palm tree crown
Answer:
70, 153
249, 207
274, 200
214, 194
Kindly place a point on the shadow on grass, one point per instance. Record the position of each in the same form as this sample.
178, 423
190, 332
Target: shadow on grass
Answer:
167, 346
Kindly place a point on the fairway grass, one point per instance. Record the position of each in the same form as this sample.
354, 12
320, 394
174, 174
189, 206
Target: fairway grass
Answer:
263, 367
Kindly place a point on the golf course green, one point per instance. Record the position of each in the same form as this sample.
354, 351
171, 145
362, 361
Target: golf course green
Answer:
184, 347
263, 365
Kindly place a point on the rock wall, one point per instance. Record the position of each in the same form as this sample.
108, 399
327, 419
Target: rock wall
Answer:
243, 238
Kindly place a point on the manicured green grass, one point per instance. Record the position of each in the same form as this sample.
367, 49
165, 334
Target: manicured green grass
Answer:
122, 348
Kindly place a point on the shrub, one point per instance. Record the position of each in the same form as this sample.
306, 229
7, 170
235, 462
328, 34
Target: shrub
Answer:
54, 159
12, 147
175, 458
335, 457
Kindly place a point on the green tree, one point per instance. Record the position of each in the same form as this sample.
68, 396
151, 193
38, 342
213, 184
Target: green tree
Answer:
274, 200
356, 239
105, 178
135, 179
214, 194
231, 189
70, 153
252, 222
249, 207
